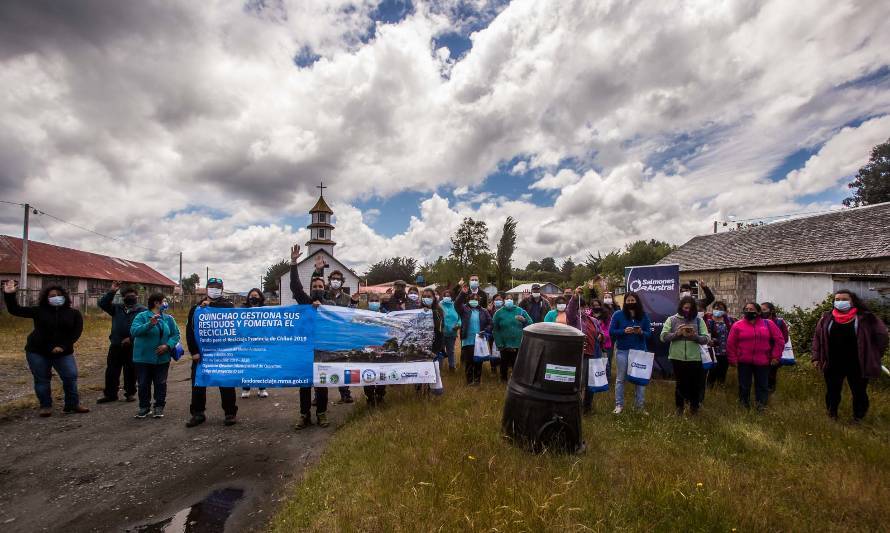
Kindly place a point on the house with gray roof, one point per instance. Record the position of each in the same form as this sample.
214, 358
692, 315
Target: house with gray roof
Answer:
794, 262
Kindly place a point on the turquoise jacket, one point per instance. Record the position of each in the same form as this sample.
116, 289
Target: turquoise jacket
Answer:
507, 330
147, 338
551, 315
451, 319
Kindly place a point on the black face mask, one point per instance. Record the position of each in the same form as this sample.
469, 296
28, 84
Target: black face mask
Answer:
751, 315
630, 309
317, 294
130, 299
253, 300
597, 310
766, 314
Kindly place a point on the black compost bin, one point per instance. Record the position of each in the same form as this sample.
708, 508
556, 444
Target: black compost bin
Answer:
542, 410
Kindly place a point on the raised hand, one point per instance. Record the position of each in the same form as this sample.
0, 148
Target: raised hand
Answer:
295, 253
9, 286
115, 285
319, 262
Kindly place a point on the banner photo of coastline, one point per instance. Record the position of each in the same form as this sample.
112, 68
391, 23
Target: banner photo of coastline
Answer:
299, 345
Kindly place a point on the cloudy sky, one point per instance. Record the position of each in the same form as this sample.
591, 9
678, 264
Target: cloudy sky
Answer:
205, 126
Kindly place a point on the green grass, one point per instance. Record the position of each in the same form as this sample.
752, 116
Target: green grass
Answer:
442, 465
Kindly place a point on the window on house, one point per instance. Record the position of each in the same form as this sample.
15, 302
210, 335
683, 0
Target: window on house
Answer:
322, 217
321, 234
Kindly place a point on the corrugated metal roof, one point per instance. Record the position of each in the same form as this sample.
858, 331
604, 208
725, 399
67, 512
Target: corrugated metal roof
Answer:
844, 235
49, 260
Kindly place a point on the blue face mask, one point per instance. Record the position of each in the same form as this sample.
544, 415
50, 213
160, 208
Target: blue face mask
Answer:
718, 314
446, 300
164, 306
374, 306
498, 303
427, 301
508, 303
474, 284
474, 303
842, 305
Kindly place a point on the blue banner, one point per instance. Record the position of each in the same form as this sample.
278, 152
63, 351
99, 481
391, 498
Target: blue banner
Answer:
300, 345
659, 289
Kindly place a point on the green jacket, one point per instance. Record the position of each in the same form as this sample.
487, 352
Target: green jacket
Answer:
684, 348
147, 338
506, 329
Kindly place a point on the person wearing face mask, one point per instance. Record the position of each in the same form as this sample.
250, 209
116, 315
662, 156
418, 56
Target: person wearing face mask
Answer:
316, 297
719, 325
630, 329
848, 344
497, 302
413, 301
558, 315
255, 298
430, 303
686, 333
51, 344
120, 349
198, 406
701, 303
753, 345
450, 327
155, 336
475, 320
506, 326
473, 289
592, 329
768, 312
601, 313
536, 305
337, 296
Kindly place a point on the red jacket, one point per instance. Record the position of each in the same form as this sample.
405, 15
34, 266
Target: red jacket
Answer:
756, 344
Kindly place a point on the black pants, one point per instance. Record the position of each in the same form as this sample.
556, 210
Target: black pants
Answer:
688, 376
344, 393
717, 373
472, 369
120, 358
773, 374
321, 400
835, 374
760, 375
375, 392
199, 397
152, 376
585, 379
508, 359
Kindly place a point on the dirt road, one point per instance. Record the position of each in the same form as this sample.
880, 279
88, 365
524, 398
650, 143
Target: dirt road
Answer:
106, 471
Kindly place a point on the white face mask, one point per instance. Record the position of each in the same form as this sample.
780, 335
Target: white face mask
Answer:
336, 284
413, 296
684, 294
56, 301
842, 305
607, 301
560, 307
474, 284
214, 292
536, 295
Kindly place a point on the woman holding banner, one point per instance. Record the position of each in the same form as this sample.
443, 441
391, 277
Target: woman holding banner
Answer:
630, 329
687, 334
255, 298
754, 345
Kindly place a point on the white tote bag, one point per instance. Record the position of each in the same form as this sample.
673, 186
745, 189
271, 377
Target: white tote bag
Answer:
597, 380
481, 351
707, 358
639, 366
495, 353
787, 354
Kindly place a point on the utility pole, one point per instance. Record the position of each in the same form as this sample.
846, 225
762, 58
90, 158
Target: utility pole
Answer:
207, 276
23, 278
180, 270
715, 226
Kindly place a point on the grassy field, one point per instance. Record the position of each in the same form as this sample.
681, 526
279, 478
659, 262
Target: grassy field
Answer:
441, 465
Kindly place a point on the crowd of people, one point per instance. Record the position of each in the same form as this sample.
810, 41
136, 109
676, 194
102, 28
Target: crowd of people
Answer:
847, 346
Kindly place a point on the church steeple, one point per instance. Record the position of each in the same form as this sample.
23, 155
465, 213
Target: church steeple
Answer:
321, 229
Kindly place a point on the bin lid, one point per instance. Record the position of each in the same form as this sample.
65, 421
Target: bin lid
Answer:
553, 328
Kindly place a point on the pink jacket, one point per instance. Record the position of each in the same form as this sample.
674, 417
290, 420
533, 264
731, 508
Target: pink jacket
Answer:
755, 344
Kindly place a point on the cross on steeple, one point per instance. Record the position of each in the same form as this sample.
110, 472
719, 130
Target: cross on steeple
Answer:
321, 187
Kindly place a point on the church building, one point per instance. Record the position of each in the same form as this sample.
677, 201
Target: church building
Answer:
319, 250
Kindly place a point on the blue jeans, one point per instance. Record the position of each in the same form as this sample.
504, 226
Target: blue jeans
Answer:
66, 367
148, 376
449, 349
640, 390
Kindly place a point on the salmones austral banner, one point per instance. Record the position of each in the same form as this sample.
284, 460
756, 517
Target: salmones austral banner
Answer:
658, 287
299, 345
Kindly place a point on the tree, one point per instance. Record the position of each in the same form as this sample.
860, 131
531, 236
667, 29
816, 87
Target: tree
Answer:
272, 277
469, 246
190, 283
548, 264
872, 183
533, 266
594, 262
637, 253
568, 266
504, 255
391, 269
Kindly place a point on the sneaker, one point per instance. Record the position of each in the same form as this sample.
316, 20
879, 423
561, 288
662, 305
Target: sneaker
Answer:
158, 412
245, 394
143, 412
263, 394
322, 420
195, 420
304, 422
618, 410
45, 412
75, 410
230, 420
129, 397
106, 399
